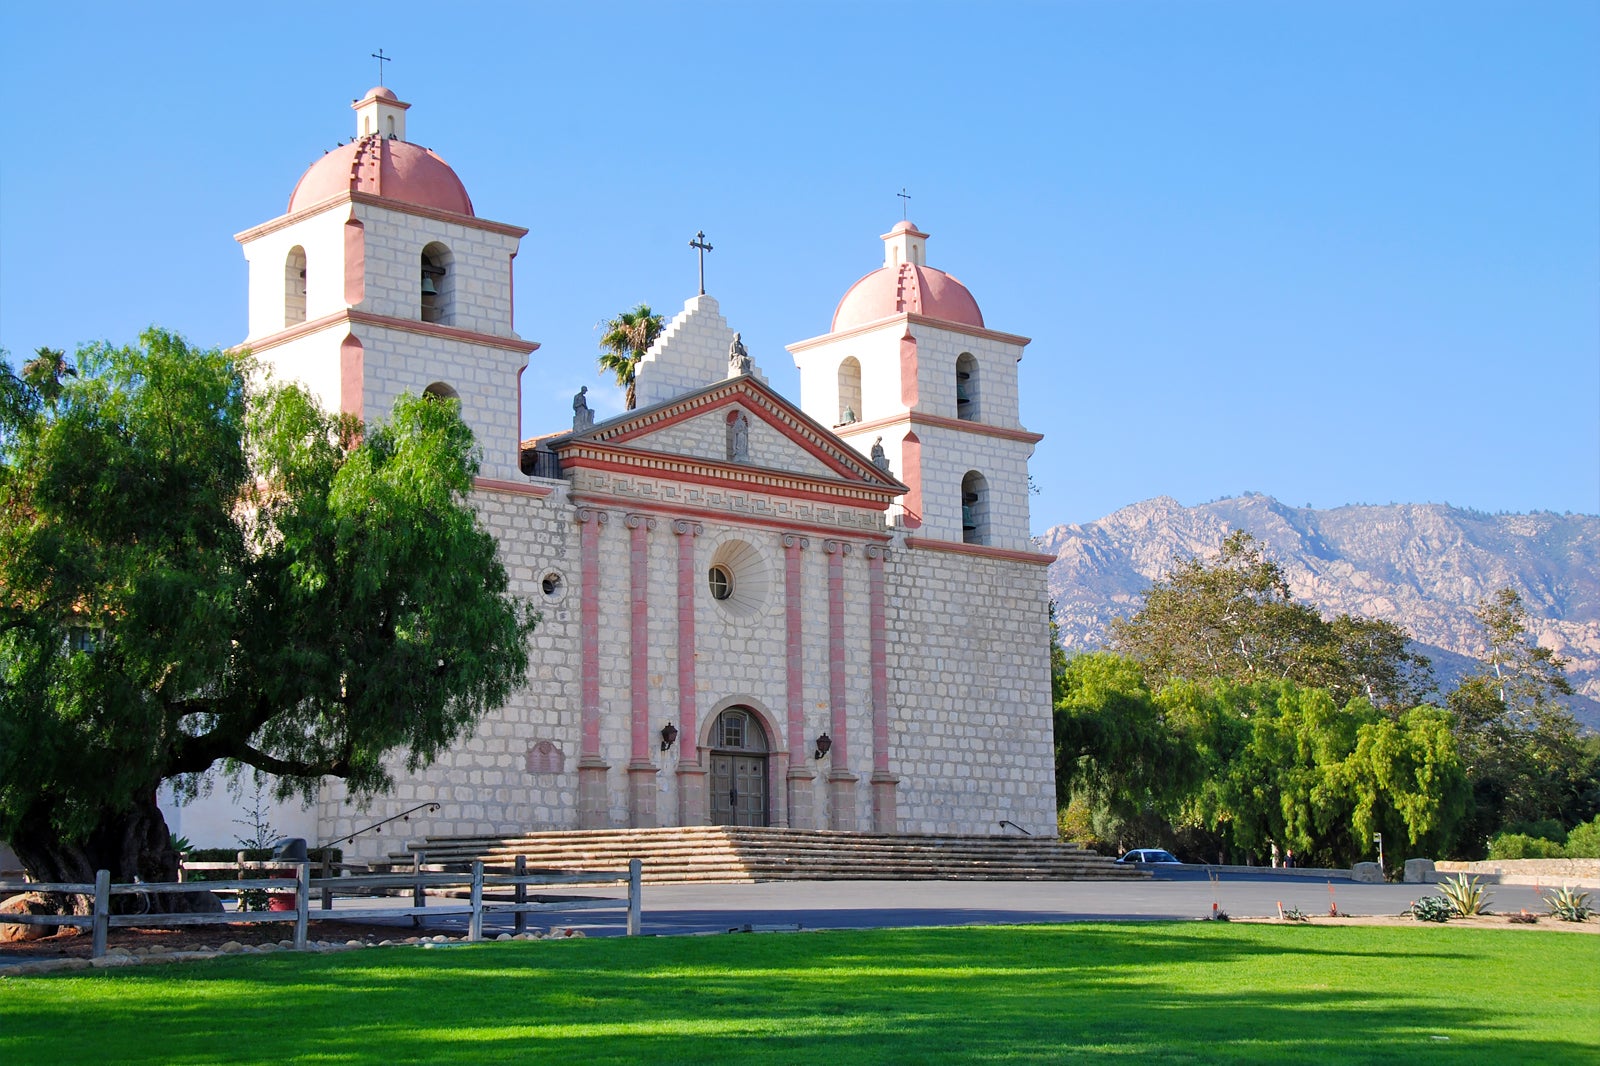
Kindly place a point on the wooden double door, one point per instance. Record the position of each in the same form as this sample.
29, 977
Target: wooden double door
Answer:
739, 791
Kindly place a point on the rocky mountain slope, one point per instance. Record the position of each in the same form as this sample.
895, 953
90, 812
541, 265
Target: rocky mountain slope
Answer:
1423, 566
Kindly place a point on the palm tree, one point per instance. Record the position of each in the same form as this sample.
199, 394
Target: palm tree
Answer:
627, 338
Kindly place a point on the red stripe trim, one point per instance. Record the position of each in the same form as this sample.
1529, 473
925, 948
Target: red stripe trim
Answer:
602, 501
910, 319
1036, 558
915, 418
511, 488
679, 468
348, 317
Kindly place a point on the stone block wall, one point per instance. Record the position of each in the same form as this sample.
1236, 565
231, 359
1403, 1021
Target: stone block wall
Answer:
969, 688
478, 279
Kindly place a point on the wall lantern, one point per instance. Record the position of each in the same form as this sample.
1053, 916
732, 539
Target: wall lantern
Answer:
824, 743
669, 733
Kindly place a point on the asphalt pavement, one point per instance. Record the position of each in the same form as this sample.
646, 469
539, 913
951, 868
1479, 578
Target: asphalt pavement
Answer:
1184, 894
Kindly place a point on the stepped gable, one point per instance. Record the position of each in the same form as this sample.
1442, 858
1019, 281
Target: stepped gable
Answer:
690, 353
688, 437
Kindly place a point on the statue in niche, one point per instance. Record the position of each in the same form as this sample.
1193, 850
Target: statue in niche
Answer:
582, 417
848, 417
879, 459
739, 438
738, 358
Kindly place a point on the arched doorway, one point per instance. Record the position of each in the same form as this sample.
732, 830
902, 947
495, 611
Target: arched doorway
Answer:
739, 769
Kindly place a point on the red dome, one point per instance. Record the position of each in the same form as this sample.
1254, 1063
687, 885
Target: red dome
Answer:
907, 289
378, 166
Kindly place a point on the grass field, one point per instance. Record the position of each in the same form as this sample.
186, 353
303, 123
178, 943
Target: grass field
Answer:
1145, 992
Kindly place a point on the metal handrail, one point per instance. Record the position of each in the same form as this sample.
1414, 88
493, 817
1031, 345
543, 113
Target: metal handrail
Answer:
350, 838
1007, 821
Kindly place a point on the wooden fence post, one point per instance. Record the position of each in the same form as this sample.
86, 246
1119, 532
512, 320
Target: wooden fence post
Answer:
419, 898
102, 912
520, 923
302, 903
475, 923
635, 894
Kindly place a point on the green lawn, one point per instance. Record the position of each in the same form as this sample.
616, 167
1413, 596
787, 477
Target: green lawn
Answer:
1140, 992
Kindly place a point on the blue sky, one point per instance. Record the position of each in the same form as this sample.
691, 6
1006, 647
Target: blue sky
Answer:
1332, 252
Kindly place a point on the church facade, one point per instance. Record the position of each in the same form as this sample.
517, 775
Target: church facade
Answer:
824, 614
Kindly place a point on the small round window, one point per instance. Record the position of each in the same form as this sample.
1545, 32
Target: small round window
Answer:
721, 579
552, 585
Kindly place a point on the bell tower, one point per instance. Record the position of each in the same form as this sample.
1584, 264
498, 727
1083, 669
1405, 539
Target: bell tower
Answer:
380, 278
910, 366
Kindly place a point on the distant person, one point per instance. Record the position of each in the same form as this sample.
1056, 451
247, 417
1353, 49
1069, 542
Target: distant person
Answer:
1288, 858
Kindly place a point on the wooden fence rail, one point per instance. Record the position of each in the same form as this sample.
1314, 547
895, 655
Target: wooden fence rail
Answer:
100, 919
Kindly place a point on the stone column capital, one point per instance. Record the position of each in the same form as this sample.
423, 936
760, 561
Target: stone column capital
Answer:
591, 514
876, 551
837, 547
685, 528
636, 520
795, 541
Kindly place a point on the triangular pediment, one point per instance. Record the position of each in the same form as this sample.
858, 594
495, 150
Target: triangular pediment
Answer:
693, 434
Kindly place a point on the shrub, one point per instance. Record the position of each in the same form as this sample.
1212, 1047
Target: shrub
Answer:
1466, 895
1548, 828
1583, 841
1432, 909
1521, 846
1570, 905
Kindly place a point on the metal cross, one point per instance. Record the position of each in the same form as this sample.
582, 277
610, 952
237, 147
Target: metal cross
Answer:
700, 244
382, 59
905, 204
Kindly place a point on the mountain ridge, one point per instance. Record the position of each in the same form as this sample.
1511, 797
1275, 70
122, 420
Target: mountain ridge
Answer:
1422, 566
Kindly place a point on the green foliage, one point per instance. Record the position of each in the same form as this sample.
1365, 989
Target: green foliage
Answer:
1583, 841
196, 574
1115, 749
626, 340
1570, 905
1466, 895
1232, 619
1525, 759
1432, 909
1522, 846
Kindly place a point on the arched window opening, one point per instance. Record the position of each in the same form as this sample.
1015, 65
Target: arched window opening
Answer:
391, 127
438, 285
294, 286
440, 391
967, 387
849, 391
974, 509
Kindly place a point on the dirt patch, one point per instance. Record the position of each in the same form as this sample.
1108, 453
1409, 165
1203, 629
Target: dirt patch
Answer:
1482, 921
76, 944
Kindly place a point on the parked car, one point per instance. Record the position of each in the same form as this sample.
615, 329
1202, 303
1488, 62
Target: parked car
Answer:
1148, 857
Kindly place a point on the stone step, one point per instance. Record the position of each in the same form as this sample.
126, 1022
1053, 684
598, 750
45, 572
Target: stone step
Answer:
723, 854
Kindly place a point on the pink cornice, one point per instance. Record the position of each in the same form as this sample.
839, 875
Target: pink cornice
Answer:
350, 317
290, 219
910, 320
917, 418
729, 518
983, 550
511, 488
584, 456
815, 439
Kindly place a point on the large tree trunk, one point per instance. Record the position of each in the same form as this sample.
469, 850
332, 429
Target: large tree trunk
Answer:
134, 845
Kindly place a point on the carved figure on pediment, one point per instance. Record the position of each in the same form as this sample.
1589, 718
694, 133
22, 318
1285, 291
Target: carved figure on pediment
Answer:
582, 417
738, 358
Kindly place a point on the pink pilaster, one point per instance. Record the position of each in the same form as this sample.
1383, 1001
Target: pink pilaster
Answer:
799, 776
841, 782
885, 817
641, 771
692, 809
592, 803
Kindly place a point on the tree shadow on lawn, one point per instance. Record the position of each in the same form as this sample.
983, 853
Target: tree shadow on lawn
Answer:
1032, 994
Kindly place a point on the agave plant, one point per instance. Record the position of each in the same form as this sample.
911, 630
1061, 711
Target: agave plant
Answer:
1466, 895
1570, 905
1432, 909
